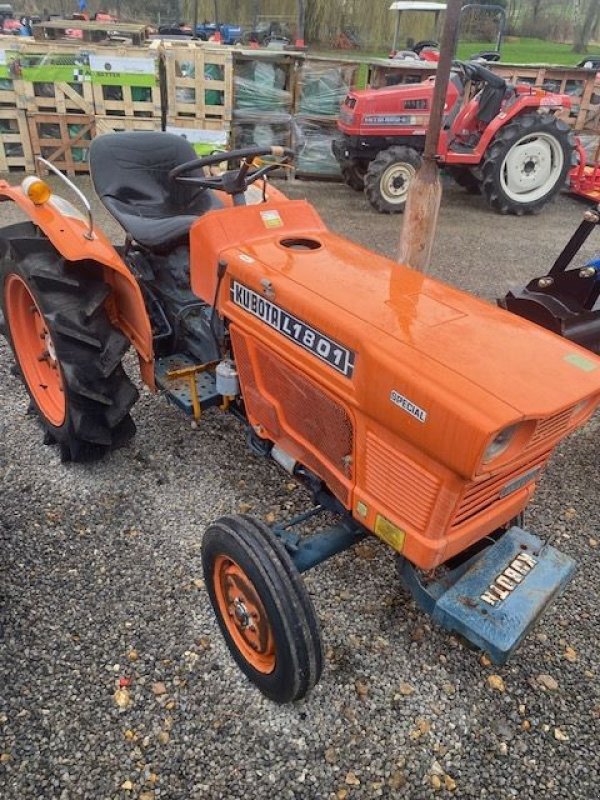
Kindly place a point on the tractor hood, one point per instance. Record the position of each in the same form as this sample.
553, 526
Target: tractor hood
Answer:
408, 333
407, 106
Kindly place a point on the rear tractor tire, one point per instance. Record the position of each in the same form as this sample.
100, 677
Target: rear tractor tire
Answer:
68, 354
353, 172
527, 163
388, 178
263, 609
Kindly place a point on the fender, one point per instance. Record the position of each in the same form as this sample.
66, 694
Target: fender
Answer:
69, 236
524, 103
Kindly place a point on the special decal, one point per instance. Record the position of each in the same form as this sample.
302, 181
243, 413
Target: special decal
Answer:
323, 347
407, 405
516, 572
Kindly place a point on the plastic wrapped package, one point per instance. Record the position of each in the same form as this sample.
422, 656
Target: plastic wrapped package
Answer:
323, 87
264, 130
313, 145
260, 85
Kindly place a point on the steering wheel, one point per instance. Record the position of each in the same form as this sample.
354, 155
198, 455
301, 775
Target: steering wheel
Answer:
236, 181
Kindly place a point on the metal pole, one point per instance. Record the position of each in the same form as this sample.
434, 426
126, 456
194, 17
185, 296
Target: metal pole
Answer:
195, 31
301, 10
425, 191
396, 32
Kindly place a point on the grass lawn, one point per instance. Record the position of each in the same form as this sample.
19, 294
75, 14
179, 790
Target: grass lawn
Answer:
528, 51
523, 51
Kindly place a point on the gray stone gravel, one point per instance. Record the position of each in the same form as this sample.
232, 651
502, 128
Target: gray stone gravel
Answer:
101, 580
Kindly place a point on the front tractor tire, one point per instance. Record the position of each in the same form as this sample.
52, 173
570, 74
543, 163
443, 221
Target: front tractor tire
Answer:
353, 172
464, 177
262, 607
68, 354
388, 178
527, 163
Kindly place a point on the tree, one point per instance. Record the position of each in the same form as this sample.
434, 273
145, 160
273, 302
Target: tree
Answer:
585, 26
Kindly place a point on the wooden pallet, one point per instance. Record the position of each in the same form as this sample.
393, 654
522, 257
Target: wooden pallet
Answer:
199, 82
203, 135
44, 97
63, 140
122, 124
53, 81
126, 82
15, 144
8, 94
581, 84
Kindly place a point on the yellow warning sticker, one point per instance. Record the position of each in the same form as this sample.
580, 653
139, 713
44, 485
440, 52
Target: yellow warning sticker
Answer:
390, 533
271, 219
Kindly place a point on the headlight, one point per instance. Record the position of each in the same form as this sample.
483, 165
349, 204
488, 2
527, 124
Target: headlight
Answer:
581, 409
499, 443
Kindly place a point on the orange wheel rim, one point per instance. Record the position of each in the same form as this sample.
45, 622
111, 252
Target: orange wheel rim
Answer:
35, 350
244, 615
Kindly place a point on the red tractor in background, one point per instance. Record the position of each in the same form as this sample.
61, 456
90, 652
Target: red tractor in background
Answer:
507, 142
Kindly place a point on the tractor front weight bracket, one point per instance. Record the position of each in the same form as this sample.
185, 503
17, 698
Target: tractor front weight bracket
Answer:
311, 550
493, 598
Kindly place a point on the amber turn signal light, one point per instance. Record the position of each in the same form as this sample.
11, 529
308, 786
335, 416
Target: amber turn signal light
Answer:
36, 190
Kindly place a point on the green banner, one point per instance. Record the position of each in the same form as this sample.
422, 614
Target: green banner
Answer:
123, 71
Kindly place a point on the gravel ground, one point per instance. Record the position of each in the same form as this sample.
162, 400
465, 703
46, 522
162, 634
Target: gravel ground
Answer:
101, 580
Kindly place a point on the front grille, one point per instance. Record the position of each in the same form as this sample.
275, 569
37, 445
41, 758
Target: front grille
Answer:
398, 483
286, 402
551, 428
480, 495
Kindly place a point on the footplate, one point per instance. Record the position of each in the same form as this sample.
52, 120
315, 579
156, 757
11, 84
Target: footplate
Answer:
495, 598
180, 387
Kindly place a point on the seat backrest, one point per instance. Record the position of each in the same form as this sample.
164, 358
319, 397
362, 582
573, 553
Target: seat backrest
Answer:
134, 168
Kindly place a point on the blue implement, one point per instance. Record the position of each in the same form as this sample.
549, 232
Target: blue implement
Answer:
496, 597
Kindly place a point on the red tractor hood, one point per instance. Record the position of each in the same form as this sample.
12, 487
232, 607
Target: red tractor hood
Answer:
383, 111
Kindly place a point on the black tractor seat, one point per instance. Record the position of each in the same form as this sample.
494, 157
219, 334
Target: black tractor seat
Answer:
130, 173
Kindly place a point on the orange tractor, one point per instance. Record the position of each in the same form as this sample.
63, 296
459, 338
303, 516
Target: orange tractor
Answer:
412, 411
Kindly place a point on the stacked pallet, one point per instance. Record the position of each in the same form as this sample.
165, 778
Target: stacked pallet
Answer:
15, 148
579, 84
198, 81
321, 86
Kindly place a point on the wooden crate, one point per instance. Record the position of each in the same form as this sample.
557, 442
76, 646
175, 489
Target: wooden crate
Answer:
63, 140
204, 135
53, 81
96, 32
199, 82
580, 84
121, 124
265, 80
126, 82
387, 72
8, 94
15, 144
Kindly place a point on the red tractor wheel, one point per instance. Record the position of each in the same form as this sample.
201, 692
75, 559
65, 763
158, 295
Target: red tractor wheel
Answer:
262, 607
527, 163
388, 178
68, 354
